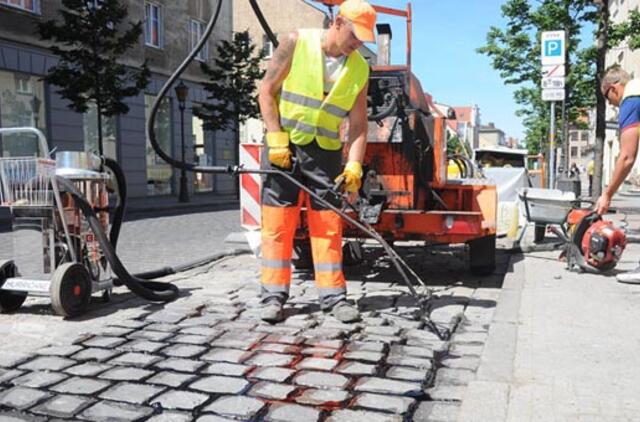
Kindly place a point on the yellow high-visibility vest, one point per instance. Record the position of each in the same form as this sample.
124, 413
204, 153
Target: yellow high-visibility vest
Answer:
304, 111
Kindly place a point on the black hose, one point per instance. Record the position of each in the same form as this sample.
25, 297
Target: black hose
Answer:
386, 112
154, 291
263, 23
121, 205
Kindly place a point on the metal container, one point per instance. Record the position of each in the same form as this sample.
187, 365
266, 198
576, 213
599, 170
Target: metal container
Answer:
547, 206
78, 165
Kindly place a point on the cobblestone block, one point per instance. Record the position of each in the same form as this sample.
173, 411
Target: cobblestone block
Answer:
9, 360
105, 342
236, 325
382, 331
378, 339
271, 373
356, 368
226, 355
192, 339
388, 386
324, 343
321, 380
403, 360
424, 335
437, 346
419, 352
131, 323
208, 320
167, 317
130, 393
9, 374
180, 400
277, 338
238, 340
323, 333
39, 379
270, 359
271, 391
211, 332
447, 376
470, 363
447, 392
466, 349
180, 365
106, 411
375, 321
220, 385
227, 369
346, 415
241, 407
222, 309
362, 346
277, 329
372, 357
171, 417
319, 352
397, 405
162, 327
120, 373
278, 348
142, 346
64, 351
62, 406
21, 397
113, 331
407, 374
319, 364
140, 360
96, 354
47, 363
170, 379
300, 324
292, 413
470, 337
150, 335
88, 369
436, 411
327, 398
183, 351
80, 385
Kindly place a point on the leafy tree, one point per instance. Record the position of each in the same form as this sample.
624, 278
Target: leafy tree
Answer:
232, 84
89, 39
515, 52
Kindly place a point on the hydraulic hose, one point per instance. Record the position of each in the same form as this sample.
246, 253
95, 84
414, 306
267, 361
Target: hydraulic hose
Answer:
154, 291
121, 205
263, 23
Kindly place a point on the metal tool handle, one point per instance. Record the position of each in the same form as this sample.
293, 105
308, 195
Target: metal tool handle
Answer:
44, 147
339, 182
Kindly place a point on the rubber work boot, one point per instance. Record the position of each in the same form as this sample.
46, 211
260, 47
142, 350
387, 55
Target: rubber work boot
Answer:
630, 277
272, 312
343, 311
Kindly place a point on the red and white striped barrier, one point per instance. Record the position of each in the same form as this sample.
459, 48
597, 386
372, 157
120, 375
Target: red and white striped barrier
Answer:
250, 186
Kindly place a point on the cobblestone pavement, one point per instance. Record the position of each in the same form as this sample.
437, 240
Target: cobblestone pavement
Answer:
207, 357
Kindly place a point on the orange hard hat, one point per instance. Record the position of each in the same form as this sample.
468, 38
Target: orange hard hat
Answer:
363, 17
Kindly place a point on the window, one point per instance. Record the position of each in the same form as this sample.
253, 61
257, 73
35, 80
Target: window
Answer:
29, 5
90, 128
202, 182
196, 30
21, 109
574, 152
267, 46
159, 173
153, 25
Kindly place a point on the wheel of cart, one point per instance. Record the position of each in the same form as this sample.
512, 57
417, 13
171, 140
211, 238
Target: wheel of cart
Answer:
482, 255
70, 290
9, 301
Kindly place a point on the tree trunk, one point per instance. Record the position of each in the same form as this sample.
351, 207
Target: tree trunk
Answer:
100, 147
601, 45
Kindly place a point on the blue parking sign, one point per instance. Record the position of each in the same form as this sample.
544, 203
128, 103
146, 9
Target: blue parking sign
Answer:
553, 47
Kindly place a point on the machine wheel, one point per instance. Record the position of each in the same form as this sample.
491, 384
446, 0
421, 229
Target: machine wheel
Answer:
540, 231
304, 259
9, 301
70, 289
482, 255
352, 253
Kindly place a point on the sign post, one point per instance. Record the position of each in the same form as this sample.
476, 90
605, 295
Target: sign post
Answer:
553, 59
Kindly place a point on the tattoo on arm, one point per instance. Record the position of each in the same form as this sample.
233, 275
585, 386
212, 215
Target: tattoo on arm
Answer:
281, 59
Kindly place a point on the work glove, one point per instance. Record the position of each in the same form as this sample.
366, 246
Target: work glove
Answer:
352, 176
279, 152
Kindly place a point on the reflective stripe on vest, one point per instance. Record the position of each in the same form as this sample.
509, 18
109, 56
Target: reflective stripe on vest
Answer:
304, 112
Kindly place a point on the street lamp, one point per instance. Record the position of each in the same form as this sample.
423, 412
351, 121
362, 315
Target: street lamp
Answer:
35, 108
182, 92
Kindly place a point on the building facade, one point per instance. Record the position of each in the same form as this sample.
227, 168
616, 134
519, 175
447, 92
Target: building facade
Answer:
490, 136
170, 30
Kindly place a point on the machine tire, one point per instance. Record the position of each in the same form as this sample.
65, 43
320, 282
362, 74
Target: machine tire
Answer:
70, 290
352, 253
482, 255
540, 231
302, 249
9, 301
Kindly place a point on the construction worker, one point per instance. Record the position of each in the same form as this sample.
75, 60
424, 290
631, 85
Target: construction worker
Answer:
316, 79
623, 92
